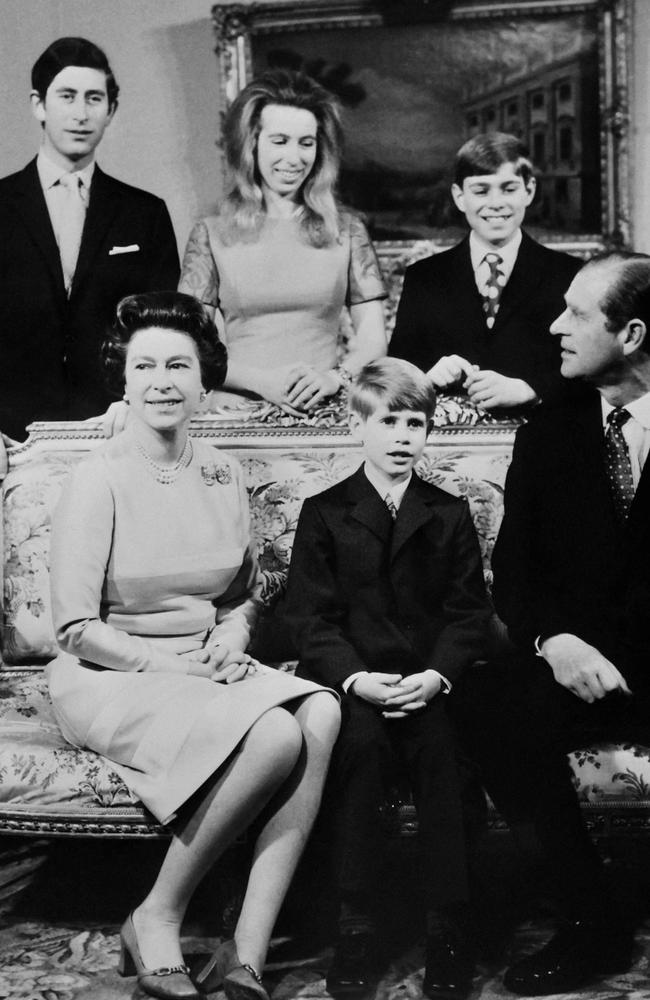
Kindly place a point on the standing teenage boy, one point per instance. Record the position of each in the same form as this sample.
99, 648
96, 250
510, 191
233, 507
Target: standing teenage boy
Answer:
477, 316
387, 601
74, 242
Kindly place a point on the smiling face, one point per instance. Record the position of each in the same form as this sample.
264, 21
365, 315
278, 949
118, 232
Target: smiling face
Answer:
589, 349
495, 204
162, 378
286, 149
74, 115
393, 440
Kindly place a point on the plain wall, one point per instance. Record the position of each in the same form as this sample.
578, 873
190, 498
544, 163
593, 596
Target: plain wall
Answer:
163, 137
162, 53
640, 127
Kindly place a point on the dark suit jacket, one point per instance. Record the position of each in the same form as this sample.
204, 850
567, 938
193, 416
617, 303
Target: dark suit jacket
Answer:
49, 345
367, 594
562, 563
440, 313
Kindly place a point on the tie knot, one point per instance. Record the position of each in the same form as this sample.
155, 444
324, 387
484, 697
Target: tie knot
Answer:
618, 416
71, 182
493, 259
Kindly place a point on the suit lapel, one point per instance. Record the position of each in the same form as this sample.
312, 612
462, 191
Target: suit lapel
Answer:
31, 206
463, 299
526, 275
102, 207
415, 510
368, 508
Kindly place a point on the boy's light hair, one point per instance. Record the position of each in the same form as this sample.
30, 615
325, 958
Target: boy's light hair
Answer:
393, 383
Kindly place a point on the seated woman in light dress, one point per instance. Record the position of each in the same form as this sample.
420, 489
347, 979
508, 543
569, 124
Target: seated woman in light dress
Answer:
282, 258
155, 587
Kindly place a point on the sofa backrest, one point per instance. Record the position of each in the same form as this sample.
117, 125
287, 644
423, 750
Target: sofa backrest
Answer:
282, 466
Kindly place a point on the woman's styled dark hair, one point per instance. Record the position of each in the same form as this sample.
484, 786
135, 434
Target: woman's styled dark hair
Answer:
170, 311
72, 52
244, 209
487, 152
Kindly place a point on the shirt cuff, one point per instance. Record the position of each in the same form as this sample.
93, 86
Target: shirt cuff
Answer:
445, 684
349, 681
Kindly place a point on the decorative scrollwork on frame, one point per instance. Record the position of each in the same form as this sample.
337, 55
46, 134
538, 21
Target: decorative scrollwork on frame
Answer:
230, 23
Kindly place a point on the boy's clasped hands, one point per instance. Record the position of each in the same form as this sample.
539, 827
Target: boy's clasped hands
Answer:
486, 388
398, 696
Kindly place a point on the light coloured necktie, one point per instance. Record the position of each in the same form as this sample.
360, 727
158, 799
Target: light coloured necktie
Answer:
73, 216
493, 288
617, 462
390, 503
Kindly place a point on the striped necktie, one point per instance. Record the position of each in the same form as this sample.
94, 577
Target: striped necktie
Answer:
390, 503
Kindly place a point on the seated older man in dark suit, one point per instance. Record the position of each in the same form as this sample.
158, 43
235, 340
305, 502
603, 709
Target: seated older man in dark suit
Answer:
477, 316
572, 582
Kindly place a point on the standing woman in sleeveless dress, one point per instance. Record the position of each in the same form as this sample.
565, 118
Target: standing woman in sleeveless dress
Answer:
155, 587
282, 258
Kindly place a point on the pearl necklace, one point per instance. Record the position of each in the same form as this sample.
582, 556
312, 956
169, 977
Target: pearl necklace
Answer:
166, 474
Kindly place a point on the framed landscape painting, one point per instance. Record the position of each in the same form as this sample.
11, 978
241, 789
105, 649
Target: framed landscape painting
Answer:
416, 78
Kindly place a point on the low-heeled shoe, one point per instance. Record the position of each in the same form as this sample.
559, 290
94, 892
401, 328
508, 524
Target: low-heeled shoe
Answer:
238, 980
166, 983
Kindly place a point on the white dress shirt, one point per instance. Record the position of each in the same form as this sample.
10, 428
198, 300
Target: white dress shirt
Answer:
636, 431
49, 175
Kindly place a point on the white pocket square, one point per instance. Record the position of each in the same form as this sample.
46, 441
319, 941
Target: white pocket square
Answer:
132, 248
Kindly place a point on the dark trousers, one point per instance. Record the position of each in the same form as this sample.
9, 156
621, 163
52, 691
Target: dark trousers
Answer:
519, 725
370, 753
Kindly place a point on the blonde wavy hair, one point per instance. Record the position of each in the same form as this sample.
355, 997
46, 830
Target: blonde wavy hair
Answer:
244, 209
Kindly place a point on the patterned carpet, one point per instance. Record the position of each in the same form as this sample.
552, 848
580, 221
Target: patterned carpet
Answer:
46, 962
61, 907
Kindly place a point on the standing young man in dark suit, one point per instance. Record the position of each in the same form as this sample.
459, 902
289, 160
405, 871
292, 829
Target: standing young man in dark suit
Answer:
74, 242
572, 582
477, 316
387, 600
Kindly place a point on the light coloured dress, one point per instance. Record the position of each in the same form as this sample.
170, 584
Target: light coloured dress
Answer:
281, 298
142, 573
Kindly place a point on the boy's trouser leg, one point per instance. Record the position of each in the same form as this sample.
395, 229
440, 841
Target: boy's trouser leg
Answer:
359, 772
427, 744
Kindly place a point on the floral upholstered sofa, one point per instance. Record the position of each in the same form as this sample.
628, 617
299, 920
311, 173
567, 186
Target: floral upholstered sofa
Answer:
50, 788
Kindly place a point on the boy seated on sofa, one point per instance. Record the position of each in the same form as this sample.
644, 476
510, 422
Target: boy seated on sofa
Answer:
387, 604
477, 317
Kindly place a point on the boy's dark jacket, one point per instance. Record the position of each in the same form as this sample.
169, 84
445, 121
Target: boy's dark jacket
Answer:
440, 312
366, 594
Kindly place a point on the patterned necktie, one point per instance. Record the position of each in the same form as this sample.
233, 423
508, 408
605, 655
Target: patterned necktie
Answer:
73, 217
390, 503
617, 462
493, 288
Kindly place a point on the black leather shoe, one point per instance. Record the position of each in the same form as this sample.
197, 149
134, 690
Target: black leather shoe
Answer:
449, 960
576, 954
352, 968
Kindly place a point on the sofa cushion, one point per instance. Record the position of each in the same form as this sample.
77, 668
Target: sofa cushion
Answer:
40, 772
37, 767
